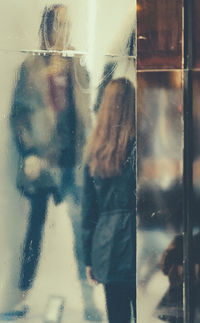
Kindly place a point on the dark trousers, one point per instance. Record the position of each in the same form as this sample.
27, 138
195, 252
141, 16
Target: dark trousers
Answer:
120, 298
31, 249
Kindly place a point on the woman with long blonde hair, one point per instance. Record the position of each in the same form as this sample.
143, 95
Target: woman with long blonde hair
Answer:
109, 203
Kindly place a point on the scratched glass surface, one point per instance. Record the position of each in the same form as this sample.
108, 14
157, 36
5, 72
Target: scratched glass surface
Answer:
54, 60
159, 196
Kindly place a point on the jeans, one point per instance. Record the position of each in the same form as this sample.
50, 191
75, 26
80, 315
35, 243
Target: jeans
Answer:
31, 250
120, 297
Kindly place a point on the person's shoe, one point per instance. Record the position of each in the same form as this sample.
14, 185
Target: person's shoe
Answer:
14, 314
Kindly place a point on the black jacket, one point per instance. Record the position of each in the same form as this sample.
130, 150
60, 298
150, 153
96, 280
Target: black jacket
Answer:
43, 123
109, 224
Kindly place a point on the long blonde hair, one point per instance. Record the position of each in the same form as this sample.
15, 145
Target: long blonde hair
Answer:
106, 150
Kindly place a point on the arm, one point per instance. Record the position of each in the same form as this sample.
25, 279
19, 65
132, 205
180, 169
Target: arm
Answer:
20, 117
20, 121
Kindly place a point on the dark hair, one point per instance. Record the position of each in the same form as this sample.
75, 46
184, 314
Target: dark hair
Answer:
46, 25
106, 151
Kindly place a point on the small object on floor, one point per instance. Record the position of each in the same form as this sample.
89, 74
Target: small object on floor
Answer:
14, 314
54, 309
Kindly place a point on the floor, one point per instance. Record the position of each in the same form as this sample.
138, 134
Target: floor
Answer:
57, 282
57, 276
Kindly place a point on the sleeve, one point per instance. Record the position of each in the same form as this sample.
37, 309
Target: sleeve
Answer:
20, 116
89, 214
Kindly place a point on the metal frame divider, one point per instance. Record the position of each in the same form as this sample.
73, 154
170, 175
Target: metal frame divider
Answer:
188, 159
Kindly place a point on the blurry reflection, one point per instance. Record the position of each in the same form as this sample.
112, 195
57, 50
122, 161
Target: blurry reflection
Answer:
159, 40
159, 188
170, 308
49, 125
43, 123
109, 204
196, 149
196, 175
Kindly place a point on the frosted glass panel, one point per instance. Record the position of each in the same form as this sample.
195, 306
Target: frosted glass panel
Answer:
159, 196
55, 62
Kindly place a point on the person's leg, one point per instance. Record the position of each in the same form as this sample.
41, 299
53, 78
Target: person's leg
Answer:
118, 302
91, 313
31, 250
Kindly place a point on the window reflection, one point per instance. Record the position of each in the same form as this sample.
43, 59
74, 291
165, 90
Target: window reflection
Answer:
159, 34
43, 124
159, 182
170, 308
196, 148
196, 198
50, 118
49, 122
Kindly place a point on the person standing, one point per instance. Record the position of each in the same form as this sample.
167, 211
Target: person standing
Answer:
109, 201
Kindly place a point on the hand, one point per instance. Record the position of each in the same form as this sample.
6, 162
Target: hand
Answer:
90, 276
33, 166
176, 275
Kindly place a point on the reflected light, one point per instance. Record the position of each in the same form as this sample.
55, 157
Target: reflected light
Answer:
138, 7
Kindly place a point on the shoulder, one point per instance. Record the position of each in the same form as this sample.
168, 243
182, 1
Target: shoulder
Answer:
37, 66
29, 66
31, 61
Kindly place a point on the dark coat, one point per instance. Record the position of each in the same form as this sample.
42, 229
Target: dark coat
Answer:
43, 124
109, 224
